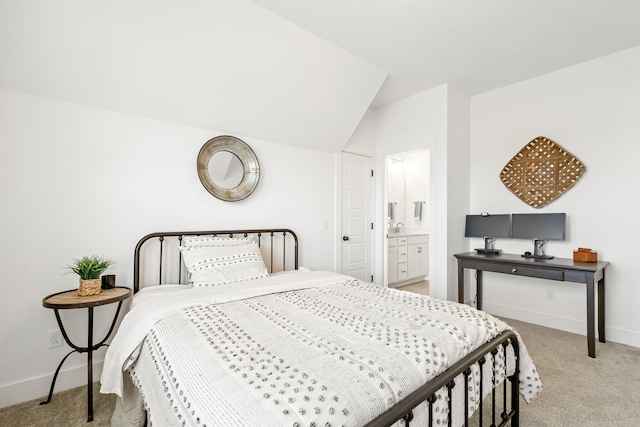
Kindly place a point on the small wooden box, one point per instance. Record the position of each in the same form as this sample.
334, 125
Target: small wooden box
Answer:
585, 255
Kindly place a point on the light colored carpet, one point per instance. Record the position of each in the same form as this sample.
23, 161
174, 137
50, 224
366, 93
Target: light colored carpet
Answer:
579, 390
66, 409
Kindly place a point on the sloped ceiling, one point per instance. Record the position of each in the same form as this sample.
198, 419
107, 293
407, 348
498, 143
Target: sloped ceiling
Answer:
225, 65
296, 72
474, 45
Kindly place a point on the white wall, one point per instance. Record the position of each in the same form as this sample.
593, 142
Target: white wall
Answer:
362, 142
593, 111
78, 181
457, 184
418, 122
436, 120
418, 176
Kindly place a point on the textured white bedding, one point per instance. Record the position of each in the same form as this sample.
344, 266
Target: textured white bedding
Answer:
313, 348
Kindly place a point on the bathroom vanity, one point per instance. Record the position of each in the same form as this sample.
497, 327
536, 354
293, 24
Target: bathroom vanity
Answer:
408, 257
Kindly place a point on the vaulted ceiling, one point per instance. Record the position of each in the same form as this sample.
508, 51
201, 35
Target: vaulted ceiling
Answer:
297, 72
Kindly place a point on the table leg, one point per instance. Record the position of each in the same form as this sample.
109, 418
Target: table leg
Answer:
591, 341
76, 349
90, 367
460, 282
479, 289
55, 377
601, 306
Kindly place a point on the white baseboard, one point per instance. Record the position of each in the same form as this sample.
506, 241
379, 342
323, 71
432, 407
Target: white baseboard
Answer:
38, 387
576, 326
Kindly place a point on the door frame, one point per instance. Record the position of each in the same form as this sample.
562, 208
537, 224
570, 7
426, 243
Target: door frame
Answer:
430, 204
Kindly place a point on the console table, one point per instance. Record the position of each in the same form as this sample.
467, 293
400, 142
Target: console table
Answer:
561, 269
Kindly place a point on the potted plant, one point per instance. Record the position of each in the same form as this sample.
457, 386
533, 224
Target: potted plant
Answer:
89, 269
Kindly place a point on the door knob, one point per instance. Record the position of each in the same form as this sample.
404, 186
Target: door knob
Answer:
345, 238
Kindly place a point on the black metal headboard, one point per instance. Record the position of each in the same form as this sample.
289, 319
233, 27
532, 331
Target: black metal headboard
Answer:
157, 255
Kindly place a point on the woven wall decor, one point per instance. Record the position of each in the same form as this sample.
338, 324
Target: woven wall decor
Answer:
541, 172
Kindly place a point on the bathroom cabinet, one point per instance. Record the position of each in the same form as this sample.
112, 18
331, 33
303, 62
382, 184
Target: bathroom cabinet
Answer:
392, 260
408, 259
418, 256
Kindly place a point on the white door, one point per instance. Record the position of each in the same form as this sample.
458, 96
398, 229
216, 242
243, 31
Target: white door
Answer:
357, 185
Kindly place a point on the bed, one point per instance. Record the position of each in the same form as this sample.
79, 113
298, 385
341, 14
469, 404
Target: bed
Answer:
225, 329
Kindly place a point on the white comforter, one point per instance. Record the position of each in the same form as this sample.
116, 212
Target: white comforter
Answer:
336, 352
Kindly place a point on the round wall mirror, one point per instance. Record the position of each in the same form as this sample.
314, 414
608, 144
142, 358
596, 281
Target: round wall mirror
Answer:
225, 170
228, 168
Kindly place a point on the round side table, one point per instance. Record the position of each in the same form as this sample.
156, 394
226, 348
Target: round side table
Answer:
71, 300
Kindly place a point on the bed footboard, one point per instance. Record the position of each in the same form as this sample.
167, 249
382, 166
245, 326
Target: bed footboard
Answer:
509, 398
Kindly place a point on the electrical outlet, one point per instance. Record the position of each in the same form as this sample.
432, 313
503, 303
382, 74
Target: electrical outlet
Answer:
55, 338
549, 294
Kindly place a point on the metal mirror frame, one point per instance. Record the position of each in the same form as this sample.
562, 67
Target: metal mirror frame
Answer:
249, 163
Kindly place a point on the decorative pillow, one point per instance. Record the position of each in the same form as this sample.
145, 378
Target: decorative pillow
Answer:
216, 265
215, 241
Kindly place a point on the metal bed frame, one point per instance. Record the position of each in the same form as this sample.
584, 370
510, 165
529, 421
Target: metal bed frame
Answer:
279, 248
273, 245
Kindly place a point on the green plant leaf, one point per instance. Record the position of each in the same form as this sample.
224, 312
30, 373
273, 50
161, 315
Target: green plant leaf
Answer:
90, 267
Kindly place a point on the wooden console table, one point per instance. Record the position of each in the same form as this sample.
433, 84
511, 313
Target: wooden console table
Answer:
561, 269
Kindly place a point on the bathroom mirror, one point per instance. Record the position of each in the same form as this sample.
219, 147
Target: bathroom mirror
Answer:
407, 183
228, 168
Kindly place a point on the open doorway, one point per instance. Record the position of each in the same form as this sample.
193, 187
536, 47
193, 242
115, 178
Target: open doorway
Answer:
407, 207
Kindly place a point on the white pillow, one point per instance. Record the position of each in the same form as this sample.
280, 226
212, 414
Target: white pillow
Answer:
216, 265
215, 241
